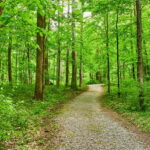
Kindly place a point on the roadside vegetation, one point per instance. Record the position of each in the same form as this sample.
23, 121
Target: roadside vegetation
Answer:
21, 114
127, 104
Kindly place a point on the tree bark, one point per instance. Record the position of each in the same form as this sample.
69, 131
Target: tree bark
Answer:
74, 54
29, 71
107, 47
147, 66
81, 50
39, 87
133, 65
139, 53
68, 49
9, 60
118, 57
46, 69
58, 50
67, 67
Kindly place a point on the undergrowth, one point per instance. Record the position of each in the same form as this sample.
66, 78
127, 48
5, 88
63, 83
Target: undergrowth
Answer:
19, 112
128, 105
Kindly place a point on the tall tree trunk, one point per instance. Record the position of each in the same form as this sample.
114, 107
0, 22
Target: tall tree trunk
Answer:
9, 60
68, 48
55, 67
118, 57
46, 60
58, 64
58, 50
39, 87
81, 49
67, 67
107, 47
139, 53
74, 54
133, 65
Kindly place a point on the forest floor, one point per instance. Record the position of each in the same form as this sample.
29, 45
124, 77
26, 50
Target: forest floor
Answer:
82, 124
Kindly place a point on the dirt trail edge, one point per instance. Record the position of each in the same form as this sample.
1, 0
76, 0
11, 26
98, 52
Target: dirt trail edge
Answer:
85, 126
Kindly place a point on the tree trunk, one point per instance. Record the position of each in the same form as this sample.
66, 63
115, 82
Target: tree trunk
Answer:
58, 50
107, 47
147, 66
46, 69
9, 60
67, 68
74, 55
58, 64
68, 49
81, 50
29, 71
46, 60
39, 87
1, 8
139, 53
133, 65
118, 57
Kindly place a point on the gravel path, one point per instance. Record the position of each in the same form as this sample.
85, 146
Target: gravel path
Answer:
86, 127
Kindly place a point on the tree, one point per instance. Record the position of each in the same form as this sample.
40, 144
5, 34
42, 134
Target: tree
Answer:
58, 49
9, 59
118, 55
39, 87
107, 47
139, 53
74, 54
81, 48
68, 47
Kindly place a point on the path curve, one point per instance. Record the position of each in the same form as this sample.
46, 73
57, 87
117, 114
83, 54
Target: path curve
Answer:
85, 126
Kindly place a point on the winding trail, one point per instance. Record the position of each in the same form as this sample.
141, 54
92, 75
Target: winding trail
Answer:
85, 126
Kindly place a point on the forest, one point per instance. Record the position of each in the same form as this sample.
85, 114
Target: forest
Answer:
51, 51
